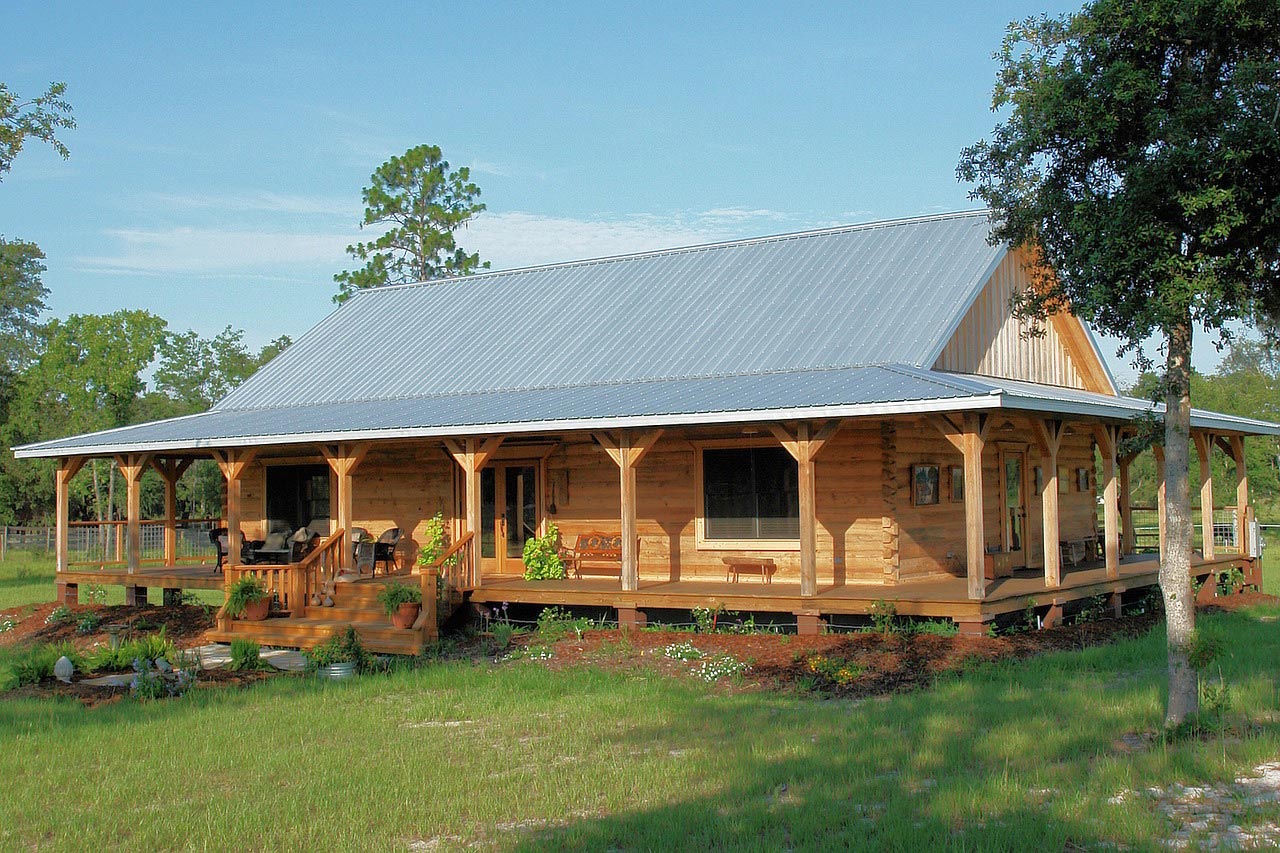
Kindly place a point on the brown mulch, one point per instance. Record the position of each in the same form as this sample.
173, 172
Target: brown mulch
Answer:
184, 624
1248, 598
92, 696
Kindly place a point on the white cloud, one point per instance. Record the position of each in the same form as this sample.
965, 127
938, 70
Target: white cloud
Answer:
209, 251
260, 202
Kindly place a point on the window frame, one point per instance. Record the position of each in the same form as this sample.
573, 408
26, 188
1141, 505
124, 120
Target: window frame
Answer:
702, 542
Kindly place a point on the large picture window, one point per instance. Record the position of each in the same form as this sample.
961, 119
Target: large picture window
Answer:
750, 493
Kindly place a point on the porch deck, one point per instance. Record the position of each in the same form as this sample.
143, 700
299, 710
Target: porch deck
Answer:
186, 576
939, 597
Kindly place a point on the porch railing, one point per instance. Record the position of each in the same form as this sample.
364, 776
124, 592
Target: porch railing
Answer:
456, 568
319, 569
1146, 528
102, 543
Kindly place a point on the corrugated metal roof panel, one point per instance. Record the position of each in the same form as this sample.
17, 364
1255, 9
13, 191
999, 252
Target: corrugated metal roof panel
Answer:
861, 295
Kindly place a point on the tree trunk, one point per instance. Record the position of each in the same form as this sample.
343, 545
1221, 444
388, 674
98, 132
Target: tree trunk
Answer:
1175, 563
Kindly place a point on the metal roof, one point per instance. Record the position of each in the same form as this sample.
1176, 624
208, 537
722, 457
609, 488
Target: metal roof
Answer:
744, 398
885, 293
840, 322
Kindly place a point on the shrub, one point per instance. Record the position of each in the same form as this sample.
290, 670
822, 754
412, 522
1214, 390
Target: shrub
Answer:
58, 615
158, 680
555, 623
705, 619
246, 656
248, 590
342, 647
833, 671
152, 647
88, 623
395, 593
7, 623
883, 614
96, 593
36, 663
503, 634
682, 651
542, 556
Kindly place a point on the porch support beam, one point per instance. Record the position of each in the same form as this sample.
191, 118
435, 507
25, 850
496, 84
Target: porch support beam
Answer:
67, 468
804, 444
626, 449
973, 441
1129, 537
1242, 494
1108, 438
233, 463
343, 460
170, 470
1048, 434
131, 468
1158, 450
1204, 450
472, 454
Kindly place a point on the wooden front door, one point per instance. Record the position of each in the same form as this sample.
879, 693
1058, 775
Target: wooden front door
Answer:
509, 515
1013, 505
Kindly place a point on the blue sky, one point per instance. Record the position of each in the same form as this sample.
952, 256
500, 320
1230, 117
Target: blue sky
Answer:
216, 169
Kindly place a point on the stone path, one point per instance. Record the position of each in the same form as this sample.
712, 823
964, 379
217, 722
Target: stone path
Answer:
1218, 816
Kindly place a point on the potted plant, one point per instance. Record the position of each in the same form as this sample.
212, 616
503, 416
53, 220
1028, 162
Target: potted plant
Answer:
338, 657
402, 603
249, 599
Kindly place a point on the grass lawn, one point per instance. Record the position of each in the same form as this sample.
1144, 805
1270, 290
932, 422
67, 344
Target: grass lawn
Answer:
515, 756
29, 579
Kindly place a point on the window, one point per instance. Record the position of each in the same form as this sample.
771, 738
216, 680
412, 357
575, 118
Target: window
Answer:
924, 485
750, 493
297, 495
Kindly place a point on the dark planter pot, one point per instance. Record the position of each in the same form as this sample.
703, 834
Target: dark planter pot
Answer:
406, 614
256, 611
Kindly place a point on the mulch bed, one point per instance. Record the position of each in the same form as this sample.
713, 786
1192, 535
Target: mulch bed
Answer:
184, 624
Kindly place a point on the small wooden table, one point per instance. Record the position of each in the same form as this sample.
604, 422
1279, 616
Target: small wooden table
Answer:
735, 567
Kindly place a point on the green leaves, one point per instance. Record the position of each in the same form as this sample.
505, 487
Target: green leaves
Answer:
40, 118
421, 203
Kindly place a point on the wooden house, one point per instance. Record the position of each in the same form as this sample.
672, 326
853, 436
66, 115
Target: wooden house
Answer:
803, 425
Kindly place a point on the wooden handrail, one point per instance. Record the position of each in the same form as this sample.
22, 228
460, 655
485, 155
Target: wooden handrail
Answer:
326, 544
453, 549
457, 560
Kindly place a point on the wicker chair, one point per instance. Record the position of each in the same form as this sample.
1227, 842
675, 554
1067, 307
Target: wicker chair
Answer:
384, 550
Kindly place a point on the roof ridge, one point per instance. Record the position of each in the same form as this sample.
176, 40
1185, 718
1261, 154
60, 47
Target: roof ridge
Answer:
679, 250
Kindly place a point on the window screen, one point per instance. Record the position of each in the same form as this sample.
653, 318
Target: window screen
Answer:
750, 493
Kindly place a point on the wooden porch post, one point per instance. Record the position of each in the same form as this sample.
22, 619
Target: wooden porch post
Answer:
970, 438
472, 456
1160, 517
1048, 435
233, 464
804, 445
1108, 438
626, 450
1129, 537
170, 470
343, 459
131, 468
67, 468
975, 439
1204, 450
1242, 493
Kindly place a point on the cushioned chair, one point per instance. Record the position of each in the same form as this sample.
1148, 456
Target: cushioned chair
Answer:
362, 550
384, 550
218, 536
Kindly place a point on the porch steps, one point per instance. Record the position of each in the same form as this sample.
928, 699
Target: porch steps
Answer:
355, 604
307, 633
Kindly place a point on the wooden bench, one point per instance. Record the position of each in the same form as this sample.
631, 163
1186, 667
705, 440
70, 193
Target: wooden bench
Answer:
594, 554
735, 567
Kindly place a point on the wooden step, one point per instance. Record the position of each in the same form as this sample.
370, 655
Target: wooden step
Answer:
350, 614
379, 636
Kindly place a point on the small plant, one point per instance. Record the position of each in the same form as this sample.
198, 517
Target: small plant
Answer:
153, 647
7, 623
834, 671
1093, 609
247, 590
157, 679
88, 623
933, 627
246, 656
36, 664
395, 593
682, 651
555, 623
435, 541
720, 666
96, 593
705, 619
883, 614
1203, 650
503, 634
1030, 620
61, 613
1230, 581
343, 647
541, 556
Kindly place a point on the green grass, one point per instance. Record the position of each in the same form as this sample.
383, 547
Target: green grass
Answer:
29, 579
1013, 756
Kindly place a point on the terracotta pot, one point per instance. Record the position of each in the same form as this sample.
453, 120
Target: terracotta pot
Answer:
256, 611
406, 614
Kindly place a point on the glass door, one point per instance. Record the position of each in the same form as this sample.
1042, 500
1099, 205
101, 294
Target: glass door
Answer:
509, 515
1013, 506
